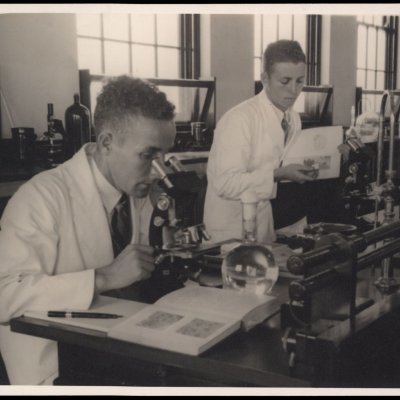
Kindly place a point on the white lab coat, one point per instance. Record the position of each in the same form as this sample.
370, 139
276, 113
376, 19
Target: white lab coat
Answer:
248, 145
54, 232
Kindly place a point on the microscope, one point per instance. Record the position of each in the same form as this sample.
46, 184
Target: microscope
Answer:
176, 232
357, 174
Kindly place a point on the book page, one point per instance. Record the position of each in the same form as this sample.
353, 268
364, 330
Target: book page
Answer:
215, 301
175, 330
317, 147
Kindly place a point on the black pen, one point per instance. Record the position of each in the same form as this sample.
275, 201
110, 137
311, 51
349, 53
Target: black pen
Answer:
79, 314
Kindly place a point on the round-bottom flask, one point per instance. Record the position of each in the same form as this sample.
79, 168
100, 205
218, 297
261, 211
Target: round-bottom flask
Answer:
250, 267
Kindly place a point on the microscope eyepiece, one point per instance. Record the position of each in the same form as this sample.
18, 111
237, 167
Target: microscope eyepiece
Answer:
161, 173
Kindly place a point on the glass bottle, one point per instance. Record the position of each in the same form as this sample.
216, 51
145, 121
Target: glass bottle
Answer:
77, 125
250, 267
53, 139
50, 120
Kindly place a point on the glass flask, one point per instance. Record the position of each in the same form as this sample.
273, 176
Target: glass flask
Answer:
250, 267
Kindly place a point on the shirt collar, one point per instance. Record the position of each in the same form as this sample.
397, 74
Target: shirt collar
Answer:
108, 194
279, 113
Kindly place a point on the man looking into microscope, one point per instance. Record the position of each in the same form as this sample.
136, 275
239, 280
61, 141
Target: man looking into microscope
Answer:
82, 228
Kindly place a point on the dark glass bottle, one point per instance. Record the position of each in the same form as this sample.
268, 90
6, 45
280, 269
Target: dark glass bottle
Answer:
77, 125
50, 120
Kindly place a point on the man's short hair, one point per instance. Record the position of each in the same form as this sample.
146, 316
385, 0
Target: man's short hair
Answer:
125, 96
282, 51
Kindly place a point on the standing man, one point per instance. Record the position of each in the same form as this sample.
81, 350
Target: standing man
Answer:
251, 141
82, 228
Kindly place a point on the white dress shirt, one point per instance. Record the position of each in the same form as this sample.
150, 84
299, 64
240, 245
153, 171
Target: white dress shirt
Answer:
108, 193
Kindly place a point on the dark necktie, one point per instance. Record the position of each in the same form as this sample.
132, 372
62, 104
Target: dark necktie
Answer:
285, 126
121, 225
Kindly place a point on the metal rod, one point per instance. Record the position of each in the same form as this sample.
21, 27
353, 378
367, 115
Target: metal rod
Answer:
380, 138
379, 162
297, 264
387, 250
391, 143
383, 232
313, 283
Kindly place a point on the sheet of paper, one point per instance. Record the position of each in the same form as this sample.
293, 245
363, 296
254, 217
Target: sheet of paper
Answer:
318, 147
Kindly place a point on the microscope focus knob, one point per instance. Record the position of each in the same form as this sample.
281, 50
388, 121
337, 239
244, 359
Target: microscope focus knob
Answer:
297, 291
295, 265
163, 203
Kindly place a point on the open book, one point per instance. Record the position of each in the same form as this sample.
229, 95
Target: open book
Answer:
192, 319
318, 148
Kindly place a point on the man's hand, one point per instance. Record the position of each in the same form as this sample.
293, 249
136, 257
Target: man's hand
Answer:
295, 172
134, 263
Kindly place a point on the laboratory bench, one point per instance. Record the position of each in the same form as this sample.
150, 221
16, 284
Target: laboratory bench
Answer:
88, 357
366, 358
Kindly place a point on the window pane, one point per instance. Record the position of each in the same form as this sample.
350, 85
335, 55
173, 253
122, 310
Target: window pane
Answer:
361, 46
89, 55
369, 19
167, 30
116, 57
371, 58
380, 80
143, 61
361, 78
143, 29
257, 68
381, 49
116, 26
378, 20
270, 30
285, 27
257, 36
376, 104
168, 63
300, 30
371, 79
88, 24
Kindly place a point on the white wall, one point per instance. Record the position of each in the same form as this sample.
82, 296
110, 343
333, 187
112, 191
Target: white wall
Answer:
38, 65
231, 59
342, 66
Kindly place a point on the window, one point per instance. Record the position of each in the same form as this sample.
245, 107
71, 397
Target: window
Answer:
144, 45
306, 29
377, 52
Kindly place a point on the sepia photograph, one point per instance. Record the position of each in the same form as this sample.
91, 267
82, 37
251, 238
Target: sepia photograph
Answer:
200, 199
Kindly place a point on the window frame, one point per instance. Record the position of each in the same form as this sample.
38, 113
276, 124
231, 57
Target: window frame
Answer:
189, 45
312, 50
391, 31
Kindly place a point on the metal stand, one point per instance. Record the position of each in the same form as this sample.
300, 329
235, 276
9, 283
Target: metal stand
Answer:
387, 283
